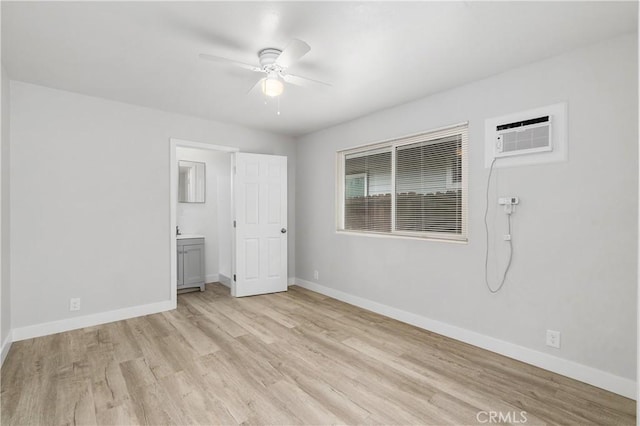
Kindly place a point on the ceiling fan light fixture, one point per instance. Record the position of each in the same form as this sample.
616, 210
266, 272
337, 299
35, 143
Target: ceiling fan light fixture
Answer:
272, 86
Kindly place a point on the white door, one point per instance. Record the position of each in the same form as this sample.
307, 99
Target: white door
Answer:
260, 209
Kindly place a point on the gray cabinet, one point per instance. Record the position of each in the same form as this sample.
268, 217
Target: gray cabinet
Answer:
191, 263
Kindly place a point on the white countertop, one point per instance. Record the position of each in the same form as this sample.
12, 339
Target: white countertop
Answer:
187, 236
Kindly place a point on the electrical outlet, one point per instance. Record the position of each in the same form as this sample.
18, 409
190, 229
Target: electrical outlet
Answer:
316, 275
553, 339
74, 304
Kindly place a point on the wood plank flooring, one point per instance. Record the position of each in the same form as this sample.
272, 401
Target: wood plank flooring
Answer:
288, 358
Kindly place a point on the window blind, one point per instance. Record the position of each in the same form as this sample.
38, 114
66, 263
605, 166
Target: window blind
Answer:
428, 186
367, 204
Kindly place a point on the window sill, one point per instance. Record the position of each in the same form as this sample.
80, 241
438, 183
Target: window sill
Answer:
429, 238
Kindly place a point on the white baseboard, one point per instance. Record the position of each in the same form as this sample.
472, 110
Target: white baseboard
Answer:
6, 345
224, 280
602, 379
291, 281
212, 278
53, 327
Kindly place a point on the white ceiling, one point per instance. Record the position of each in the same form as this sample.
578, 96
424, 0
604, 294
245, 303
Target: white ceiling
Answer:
376, 54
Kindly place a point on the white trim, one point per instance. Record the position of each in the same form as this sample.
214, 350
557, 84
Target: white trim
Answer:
638, 273
6, 345
224, 280
405, 235
173, 204
232, 188
53, 327
602, 379
212, 278
437, 132
291, 281
183, 143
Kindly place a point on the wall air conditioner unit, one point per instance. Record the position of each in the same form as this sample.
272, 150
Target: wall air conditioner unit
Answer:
523, 137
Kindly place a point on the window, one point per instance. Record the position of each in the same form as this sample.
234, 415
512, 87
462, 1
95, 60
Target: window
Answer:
368, 206
356, 185
414, 186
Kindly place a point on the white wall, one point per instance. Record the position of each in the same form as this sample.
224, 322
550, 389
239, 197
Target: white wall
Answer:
212, 219
90, 200
574, 236
5, 289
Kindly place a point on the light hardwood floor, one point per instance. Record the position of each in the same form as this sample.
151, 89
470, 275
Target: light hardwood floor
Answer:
289, 358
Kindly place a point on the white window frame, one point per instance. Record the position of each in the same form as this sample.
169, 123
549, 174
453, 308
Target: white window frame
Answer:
461, 129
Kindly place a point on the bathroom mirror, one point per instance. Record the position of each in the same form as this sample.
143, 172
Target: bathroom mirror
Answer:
191, 182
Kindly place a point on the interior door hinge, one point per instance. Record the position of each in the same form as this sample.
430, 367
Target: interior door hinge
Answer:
234, 277
234, 223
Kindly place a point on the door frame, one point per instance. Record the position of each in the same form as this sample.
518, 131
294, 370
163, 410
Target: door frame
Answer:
173, 204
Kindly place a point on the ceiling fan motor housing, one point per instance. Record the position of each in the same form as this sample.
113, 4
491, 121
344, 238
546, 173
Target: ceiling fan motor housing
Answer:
268, 57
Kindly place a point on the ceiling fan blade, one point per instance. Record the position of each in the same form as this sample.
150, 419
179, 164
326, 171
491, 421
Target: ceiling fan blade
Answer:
292, 53
229, 61
255, 86
303, 81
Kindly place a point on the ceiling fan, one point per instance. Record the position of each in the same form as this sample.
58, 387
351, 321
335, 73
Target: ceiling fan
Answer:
274, 63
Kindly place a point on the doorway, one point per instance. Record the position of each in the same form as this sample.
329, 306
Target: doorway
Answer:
208, 216
250, 225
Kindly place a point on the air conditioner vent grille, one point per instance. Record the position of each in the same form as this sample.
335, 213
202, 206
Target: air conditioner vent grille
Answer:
532, 138
523, 123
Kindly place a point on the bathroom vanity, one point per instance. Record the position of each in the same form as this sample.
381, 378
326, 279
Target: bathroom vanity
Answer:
190, 261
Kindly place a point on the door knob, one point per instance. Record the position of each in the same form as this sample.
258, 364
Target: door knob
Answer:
283, 230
